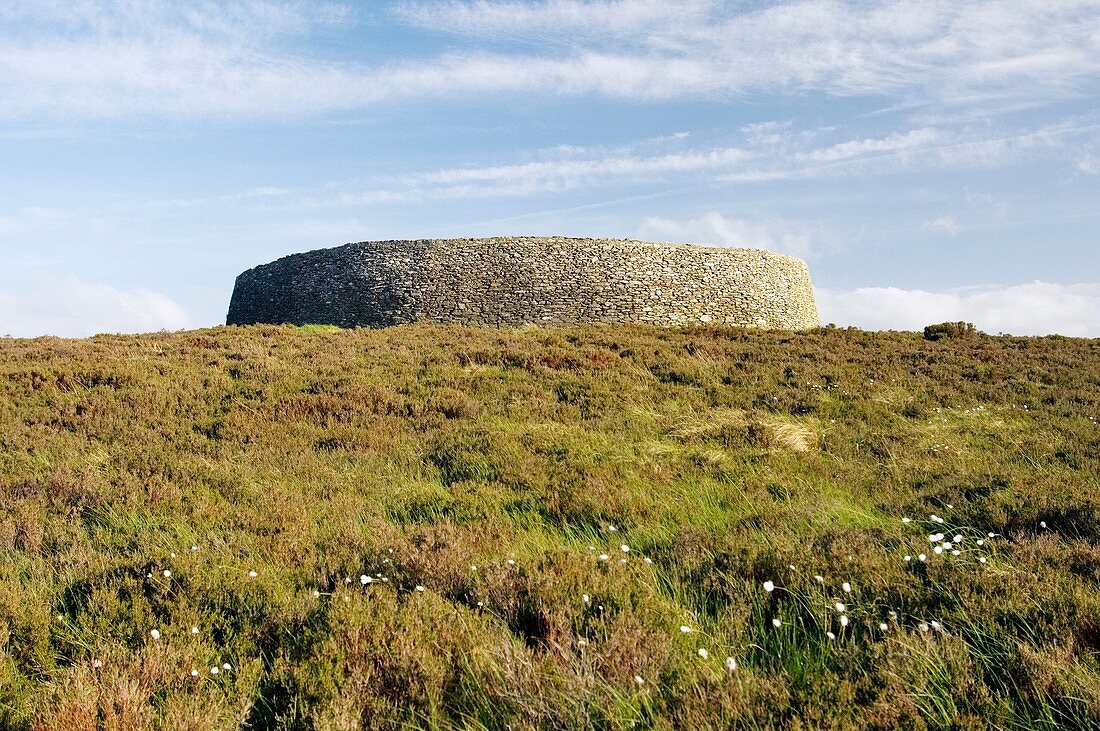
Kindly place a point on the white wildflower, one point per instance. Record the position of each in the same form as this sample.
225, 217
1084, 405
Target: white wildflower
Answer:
604, 557
777, 623
684, 628
703, 653
639, 680
419, 587
624, 548
252, 574
769, 586
883, 626
194, 630
155, 634
194, 673
731, 663
167, 574
215, 670
906, 520
831, 635
846, 587
844, 620
819, 578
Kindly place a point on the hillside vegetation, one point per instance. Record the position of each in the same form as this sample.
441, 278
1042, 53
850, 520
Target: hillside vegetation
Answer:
594, 527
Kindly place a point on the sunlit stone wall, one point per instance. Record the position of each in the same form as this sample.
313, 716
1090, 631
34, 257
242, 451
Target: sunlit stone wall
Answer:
513, 281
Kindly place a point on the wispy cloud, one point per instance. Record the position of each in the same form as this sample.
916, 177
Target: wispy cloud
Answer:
960, 53
1038, 308
97, 59
70, 307
943, 224
770, 152
914, 139
555, 19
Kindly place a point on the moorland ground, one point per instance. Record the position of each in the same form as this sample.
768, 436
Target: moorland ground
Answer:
592, 527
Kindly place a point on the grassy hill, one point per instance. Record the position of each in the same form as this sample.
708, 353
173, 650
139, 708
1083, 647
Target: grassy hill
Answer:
599, 527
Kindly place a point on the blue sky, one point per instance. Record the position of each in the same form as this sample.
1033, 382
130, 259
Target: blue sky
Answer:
931, 160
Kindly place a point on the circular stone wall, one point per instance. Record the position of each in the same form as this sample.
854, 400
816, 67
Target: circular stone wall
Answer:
512, 281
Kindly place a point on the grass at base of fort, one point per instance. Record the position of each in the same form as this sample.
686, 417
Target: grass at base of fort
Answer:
591, 527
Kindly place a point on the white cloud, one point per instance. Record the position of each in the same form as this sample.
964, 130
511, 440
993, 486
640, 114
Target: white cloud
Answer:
943, 224
892, 144
959, 53
773, 152
715, 229
1038, 308
552, 19
98, 59
1089, 164
70, 307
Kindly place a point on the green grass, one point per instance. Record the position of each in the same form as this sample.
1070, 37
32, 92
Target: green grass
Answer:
722, 458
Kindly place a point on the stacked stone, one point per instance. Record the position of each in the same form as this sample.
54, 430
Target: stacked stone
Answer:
510, 281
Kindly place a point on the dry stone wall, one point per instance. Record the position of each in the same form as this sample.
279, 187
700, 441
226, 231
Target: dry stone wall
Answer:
513, 281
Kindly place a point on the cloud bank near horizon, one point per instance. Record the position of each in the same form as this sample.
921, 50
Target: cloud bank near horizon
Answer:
71, 307
1037, 308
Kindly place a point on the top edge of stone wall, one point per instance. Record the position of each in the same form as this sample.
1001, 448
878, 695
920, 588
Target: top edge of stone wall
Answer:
580, 241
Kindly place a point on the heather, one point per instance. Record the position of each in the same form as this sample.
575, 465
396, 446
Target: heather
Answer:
586, 527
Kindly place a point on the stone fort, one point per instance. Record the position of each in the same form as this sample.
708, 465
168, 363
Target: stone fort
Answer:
510, 281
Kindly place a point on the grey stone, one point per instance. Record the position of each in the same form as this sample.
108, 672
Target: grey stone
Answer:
380, 283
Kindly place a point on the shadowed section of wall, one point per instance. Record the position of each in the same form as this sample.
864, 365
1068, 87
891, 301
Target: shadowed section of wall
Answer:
513, 281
